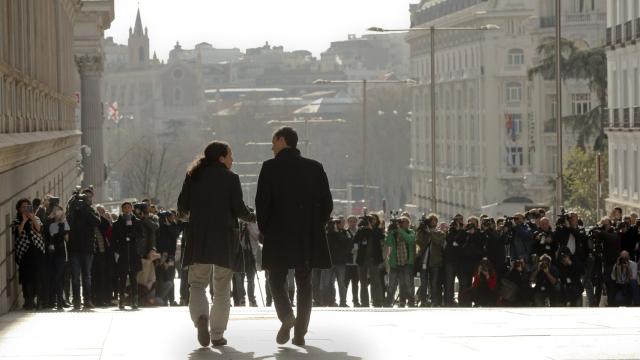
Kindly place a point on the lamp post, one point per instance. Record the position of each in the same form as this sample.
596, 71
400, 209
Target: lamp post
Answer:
559, 202
364, 83
432, 32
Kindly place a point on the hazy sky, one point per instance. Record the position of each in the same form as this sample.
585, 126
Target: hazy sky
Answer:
295, 24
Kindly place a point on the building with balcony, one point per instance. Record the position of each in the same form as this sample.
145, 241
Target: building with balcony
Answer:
494, 125
623, 116
50, 62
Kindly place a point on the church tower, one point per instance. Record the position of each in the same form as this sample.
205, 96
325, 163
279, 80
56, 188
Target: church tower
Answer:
138, 45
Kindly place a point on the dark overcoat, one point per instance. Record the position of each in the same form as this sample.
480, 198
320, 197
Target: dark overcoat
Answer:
126, 241
214, 203
293, 204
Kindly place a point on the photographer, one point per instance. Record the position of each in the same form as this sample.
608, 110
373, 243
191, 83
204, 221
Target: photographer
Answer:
400, 254
29, 252
609, 240
83, 221
250, 243
102, 284
453, 257
370, 263
544, 239
340, 246
514, 288
570, 279
352, 275
495, 249
547, 282
127, 233
168, 234
522, 238
483, 290
150, 225
473, 251
570, 235
56, 234
625, 277
430, 241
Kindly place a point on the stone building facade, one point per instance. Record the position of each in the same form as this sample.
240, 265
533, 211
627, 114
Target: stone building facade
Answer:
45, 47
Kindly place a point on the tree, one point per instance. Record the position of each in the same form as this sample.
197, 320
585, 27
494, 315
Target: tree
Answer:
587, 64
581, 183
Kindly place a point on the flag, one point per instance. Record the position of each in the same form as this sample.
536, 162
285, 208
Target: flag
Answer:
114, 114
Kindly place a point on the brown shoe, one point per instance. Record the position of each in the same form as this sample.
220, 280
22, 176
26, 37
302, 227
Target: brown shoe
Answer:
203, 331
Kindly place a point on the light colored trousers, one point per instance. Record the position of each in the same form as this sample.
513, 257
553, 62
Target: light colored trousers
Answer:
199, 279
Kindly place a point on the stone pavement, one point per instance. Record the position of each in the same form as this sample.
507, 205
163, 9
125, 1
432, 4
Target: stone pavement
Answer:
335, 334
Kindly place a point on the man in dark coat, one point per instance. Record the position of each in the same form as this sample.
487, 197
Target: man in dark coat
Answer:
212, 196
83, 221
127, 234
293, 204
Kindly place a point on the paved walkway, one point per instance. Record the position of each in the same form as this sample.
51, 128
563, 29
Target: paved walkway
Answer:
167, 333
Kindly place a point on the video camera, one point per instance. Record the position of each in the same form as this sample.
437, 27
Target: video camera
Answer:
563, 219
394, 219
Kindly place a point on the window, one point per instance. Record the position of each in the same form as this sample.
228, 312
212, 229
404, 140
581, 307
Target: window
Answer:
513, 125
580, 103
516, 57
514, 92
177, 95
636, 176
515, 156
614, 170
625, 169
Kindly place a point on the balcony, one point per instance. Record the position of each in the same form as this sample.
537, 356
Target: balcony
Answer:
626, 118
619, 34
547, 21
609, 36
628, 31
636, 117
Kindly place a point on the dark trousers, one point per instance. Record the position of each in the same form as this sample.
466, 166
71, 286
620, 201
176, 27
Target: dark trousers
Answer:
279, 291
451, 271
122, 284
464, 283
55, 271
239, 291
101, 284
81, 268
371, 274
435, 282
353, 278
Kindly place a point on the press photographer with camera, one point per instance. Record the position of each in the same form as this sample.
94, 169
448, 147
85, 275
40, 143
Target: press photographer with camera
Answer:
340, 246
400, 255
56, 235
547, 282
521, 238
473, 251
570, 274
430, 242
514, 287
610, 243
352, 274
495, 248
370, 263
126, 237
29, 252
625, 276
484, 285
150, 225
83, 221
452, 258
544, 240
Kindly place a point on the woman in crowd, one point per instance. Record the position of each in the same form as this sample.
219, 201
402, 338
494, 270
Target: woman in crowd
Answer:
56, 235
30, 251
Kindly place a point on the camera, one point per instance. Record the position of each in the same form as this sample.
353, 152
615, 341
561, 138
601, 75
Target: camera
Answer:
140, 207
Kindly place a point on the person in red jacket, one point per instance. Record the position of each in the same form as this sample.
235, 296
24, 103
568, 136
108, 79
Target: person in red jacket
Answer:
484, 286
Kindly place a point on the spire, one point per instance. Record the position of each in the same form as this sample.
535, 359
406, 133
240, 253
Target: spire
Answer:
138, 28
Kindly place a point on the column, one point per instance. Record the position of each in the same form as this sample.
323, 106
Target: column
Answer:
90, 68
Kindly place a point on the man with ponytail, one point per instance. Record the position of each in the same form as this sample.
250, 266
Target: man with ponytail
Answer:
211, 196
293, 204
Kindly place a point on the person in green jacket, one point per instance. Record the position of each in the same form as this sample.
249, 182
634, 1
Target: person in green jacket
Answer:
400, 254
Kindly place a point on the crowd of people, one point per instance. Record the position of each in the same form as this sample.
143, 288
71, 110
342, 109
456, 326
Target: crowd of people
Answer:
81, 256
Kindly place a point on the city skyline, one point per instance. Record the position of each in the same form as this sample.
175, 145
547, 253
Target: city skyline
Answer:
219, 24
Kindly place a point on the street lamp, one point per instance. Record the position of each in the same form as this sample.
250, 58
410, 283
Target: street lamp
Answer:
432, 30
364, 83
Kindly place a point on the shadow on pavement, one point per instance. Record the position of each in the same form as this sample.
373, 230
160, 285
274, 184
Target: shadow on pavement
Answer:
312, 353
284, 353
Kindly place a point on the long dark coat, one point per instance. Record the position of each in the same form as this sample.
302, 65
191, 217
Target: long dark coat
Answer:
214, 203
293, 203
130, 257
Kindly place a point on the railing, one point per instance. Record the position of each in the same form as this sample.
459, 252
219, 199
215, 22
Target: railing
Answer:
626, 118
636, 117
628, 27
573, 18
608, 36
619, 34
616, 118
